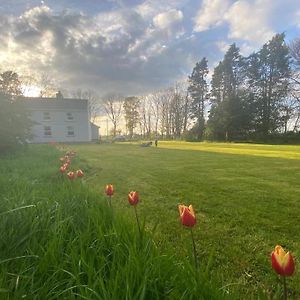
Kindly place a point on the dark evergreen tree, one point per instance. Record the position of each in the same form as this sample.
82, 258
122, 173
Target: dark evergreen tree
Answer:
270, 78
198, 91
227, 119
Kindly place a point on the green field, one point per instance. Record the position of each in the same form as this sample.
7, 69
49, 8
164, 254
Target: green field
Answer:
245, 196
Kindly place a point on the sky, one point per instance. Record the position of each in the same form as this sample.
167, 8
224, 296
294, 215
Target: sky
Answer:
133, 47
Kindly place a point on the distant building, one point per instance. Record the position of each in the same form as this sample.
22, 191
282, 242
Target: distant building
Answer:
61, 120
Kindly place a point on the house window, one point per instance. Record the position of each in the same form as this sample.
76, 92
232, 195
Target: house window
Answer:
46, 116
70, 131
70, 116
47, 131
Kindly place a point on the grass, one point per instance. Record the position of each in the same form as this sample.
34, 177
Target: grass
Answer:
60, 239
246, 198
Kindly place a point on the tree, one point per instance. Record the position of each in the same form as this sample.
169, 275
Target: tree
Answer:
272, 83
14, 122
131, 106
166, 98
294, 87
10, 83
93, 102
198, 91
112, 105
229, 107
47, 85
179, 109
145, 116
295, 52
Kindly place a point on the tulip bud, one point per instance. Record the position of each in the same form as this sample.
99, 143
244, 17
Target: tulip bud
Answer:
187, 215
62, 169
282, 262
71, 175
109, 189
79, 173
133, 198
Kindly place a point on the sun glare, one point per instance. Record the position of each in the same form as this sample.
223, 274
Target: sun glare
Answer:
31, 90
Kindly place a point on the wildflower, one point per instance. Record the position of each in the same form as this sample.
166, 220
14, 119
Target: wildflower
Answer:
79, 173
62, 169
133, 198
187, 215
109, 190
71, 175
282, 262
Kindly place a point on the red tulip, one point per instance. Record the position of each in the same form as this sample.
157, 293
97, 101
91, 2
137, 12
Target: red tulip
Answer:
282, 262
109, 189
133, 198
62, 169
71, 175
187, 215
79, 173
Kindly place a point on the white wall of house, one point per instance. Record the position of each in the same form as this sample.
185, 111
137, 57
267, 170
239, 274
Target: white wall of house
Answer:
59, 128
94, 132
69, 122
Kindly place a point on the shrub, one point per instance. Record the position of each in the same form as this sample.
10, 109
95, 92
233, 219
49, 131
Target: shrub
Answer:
14, 123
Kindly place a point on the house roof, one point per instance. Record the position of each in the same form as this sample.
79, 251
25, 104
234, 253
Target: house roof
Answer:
94, 125
37, 103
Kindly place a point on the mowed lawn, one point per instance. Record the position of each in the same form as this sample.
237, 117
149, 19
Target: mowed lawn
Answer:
246, 199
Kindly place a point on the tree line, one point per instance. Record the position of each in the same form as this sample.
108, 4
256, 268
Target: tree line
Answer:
248, 98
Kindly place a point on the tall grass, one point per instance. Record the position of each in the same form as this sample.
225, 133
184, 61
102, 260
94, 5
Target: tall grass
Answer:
60, 240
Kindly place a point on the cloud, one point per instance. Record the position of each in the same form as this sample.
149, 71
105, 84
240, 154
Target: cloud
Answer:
167, 19
211, 14
132, 46
298, 18
108, 51
254, 22
249, 20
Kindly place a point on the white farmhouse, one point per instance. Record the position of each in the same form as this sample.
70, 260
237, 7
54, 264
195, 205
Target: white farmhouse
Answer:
60, 120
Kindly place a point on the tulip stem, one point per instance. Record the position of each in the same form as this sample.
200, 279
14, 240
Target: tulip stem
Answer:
137, 220
284, 288
109, 201
194, 248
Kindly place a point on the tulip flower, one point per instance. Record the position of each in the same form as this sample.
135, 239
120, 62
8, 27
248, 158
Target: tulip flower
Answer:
188, 219
109, 190
133, 198
79, 173
283, 264
187, 215
62, 159
71, 175
62, 169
